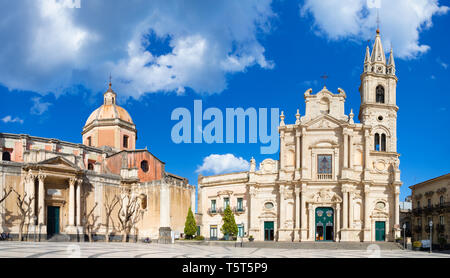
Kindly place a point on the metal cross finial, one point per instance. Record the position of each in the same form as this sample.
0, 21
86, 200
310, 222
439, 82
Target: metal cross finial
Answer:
324, 77
110, 84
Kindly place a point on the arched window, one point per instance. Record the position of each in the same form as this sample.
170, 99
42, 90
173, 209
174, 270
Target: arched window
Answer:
380, 94
6, 156
377, 142
383, 142
90, 166
144, 166
324, 106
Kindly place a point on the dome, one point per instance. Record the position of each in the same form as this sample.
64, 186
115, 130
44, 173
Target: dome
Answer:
109, 110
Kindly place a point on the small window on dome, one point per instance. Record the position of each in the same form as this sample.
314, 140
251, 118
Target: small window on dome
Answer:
89, 141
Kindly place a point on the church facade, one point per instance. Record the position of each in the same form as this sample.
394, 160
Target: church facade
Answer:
335, 180
103, 185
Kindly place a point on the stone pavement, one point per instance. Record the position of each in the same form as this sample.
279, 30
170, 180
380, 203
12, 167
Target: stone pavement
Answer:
12, 249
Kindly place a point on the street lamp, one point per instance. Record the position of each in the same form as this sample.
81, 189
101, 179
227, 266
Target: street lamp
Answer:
242, 235
404, 236
431, 235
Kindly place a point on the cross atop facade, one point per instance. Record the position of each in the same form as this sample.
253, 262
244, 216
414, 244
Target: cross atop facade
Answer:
324, 77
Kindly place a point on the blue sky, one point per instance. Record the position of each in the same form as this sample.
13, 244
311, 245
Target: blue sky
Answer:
164, 55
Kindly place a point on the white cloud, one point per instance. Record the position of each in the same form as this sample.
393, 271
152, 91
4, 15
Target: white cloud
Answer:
401, 21
51, 47
9, 119
442, 63
219, 164
39, 107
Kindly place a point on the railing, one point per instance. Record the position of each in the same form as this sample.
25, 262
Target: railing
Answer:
212, 211
442, 206
238, 209
417, 211
324, 176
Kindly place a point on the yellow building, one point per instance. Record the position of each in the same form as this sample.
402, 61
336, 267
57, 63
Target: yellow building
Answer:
430, 202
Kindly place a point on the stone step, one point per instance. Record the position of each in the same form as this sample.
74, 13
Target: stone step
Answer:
59, 238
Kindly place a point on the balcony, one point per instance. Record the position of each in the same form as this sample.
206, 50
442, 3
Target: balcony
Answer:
417, 211
324, 177
442, 206
239, 210
212, 211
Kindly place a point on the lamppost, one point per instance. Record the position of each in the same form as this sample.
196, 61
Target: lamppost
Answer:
242, 235
431, 235
404, 236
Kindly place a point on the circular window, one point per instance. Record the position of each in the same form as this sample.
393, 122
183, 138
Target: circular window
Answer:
380, 205
380, 118
144, 166
268, 205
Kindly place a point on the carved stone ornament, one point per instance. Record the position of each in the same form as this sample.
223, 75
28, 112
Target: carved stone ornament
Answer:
325, 196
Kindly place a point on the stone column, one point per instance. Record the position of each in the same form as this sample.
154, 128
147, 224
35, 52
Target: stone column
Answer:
303, 150
345, 208
282, 208
396, 207
297, 150
72, 202
366, 149
311, 222
338, 221
297, 207
367, 222
345, 149
164, 206
78, 204
366, 207
282, 148
193, 199
41, 196
303, 208
32, 194
350, 151
350, 210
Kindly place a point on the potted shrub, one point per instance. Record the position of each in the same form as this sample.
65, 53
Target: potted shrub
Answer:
399, 240
251, 238
417, 245
199, 238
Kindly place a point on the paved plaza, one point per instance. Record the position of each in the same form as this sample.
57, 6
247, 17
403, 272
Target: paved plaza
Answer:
12, 249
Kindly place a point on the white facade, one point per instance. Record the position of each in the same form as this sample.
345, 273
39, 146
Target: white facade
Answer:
336, 180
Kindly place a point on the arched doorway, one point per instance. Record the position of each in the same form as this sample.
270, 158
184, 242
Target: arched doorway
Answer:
324, 224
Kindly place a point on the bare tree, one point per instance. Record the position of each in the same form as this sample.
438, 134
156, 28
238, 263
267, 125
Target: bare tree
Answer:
25, 209
109, 207
129, 207
6, 193
89, 221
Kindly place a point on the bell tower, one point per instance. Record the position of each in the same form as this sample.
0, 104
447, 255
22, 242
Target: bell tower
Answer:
378, 97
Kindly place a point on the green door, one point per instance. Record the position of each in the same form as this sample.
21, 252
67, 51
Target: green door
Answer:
52, 221
380, 231
324, 224
268, 231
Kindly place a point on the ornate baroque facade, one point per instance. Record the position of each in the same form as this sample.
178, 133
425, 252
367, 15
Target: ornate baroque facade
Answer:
65, 181
336, 180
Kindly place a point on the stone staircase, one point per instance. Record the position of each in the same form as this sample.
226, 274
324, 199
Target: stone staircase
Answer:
301, 245
59, 238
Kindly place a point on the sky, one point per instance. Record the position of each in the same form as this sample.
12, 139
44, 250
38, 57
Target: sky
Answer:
56, 59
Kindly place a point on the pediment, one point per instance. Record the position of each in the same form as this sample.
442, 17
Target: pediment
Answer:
58, 162
323, 122
325, 196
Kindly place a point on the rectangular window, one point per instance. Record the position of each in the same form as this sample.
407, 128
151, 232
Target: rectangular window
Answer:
429, 203
226, 202
213, 232
213, 206
125, 141
441, 220
240, 206
89, 141
324, 163
241, 230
